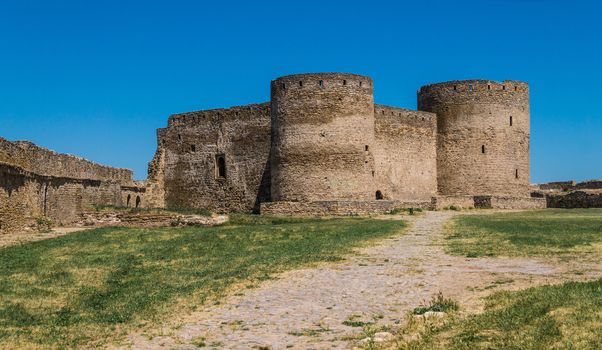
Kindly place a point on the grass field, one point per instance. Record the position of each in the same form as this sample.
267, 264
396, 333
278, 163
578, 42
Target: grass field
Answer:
91, 287
528, 233
567, 316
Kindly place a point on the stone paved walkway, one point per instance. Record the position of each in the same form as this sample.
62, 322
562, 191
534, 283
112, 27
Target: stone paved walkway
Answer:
306, 309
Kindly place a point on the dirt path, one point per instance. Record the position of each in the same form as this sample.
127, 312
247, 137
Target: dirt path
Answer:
306, 309
24, 237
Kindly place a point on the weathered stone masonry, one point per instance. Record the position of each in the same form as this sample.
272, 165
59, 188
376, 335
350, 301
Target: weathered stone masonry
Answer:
37, 183
320, 146
321, 138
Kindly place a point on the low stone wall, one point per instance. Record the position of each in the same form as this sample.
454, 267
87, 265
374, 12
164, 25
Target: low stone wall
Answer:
489, 202
570, 185
590, 184
338, 208
577, 199
517, 203
558, 185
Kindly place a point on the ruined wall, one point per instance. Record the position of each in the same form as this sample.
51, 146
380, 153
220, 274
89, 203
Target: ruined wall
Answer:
483, 136
155, 183
216, 159
38, 184
42, 161
323, 136
405, 153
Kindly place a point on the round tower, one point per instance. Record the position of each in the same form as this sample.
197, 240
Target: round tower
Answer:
322, 137
483, 136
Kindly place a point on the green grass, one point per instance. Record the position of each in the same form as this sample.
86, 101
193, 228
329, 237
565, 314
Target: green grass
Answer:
87, 288
438, 304
567, 316
538, 232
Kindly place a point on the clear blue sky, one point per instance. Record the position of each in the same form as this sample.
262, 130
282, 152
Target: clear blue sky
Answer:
96, 78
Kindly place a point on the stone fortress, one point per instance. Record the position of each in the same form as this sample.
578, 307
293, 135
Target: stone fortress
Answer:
321, 146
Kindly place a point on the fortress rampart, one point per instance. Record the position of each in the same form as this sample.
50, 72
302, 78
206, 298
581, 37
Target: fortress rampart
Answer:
38, 183
42, 161
482, 136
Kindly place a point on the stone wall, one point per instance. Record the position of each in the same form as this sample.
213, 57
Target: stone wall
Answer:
42, 161
405, 153
60, 191
571, 185
576, 199
501, 202
558, 185
323, 136
488, 202
338, 208
483, 136
215, 159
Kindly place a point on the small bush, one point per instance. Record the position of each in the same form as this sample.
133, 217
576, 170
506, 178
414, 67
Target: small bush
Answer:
44, 224
437, 304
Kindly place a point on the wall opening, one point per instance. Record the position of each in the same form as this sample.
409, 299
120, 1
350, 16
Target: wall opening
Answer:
366, 148
470, 88
137, 201
283, 86
455, 87
179, 137
516, 88
488, 87
46, 199
300, 83
360, 84
321, 83
220, 166
127, 202
193, 148
503, 87
344, 82
483, 149
510, 120
516, 174
379, 195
